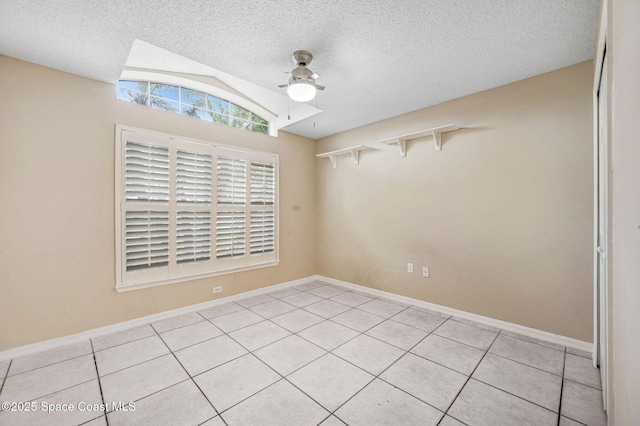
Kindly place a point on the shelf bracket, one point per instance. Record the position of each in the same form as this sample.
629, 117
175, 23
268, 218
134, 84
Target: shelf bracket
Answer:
436, 132
437, 137
356, 156
353, 150
402, 143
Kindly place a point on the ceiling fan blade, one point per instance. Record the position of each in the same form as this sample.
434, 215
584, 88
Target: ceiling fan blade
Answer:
282, 85
319, 87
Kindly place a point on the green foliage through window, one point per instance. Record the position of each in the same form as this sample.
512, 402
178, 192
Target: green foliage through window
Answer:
192, 103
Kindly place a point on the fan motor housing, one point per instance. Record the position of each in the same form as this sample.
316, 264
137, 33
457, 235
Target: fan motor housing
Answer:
302, 58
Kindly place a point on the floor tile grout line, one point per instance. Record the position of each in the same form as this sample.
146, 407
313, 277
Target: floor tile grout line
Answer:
228, 335
520, 397
429, 333
580, 356
526, 365
474, 370
299, 368
327, 350
282, 377
409, 352
197, 343
472, 323
324, 318
164, 331
405, 391
315, 359
515, 336
570, 418
265, 345
95, 363
325, 298
134, 365
431, 312
169, 330
385, 369
155, 392
331, 412
514, 395
564, 366
437, 363
5, 377
582, 384
389, 343
190, 378
123, 343
197, 313
208, 420
454, 318
457, 341
401, 311
449, 415
432, 332
224, 333
94, 419
332, 319
445, 319
43, 366
377, 377
33, 399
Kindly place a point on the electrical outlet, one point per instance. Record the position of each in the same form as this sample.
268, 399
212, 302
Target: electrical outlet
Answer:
217, 289
425, 271
410, 268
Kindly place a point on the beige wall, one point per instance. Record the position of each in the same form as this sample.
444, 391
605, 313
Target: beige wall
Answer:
502, 216
623, 38
57, 256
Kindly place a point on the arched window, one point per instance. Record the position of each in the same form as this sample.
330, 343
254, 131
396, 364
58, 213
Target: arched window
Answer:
190, 102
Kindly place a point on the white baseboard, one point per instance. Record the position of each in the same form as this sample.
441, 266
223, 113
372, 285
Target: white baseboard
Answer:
508, 326
114, 328
97, 332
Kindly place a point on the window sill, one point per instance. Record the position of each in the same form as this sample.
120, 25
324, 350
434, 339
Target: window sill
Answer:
123, 288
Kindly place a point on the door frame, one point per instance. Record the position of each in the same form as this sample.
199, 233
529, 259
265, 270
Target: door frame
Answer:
601, 328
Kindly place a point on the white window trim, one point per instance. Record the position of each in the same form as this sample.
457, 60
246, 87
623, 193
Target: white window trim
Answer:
171, 79
218, 267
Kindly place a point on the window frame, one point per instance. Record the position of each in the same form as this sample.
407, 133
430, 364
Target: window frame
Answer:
211, 87
176, 272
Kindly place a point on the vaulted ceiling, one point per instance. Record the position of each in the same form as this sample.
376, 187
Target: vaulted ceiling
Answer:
377, 58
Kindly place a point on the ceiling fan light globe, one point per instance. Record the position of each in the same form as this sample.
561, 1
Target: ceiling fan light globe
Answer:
301, 91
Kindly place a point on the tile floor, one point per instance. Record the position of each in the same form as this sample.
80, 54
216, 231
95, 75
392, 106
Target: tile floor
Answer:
314, 354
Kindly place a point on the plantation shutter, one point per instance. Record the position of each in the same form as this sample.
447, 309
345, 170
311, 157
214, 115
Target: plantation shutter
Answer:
146, 173
262, 195
263, 184
231, 200
193, 238
193, 178
230, 234
147, 239
190, 209
262, 234
146, 231
232, 181
193, 188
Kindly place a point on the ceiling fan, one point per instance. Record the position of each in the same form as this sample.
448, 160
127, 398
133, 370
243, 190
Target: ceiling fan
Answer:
302, 85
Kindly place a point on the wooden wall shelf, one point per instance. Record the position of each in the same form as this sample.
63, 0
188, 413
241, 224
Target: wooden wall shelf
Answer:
436, 132
353, 150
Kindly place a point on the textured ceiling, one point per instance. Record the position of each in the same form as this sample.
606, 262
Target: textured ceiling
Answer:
377, 58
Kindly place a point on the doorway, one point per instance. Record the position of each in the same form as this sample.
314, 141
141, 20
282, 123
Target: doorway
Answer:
602, 234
